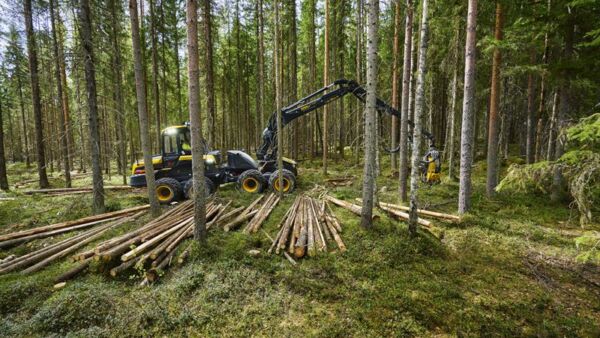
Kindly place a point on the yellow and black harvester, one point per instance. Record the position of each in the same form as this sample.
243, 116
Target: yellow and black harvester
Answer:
173, 167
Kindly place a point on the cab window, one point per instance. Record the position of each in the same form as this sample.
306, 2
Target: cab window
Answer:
186, 142
170, 143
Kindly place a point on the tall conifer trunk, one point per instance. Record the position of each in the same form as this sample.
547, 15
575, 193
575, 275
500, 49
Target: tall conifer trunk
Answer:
466, 138
35, 95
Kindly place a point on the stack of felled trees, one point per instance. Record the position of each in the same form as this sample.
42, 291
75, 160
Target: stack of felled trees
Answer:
307, 228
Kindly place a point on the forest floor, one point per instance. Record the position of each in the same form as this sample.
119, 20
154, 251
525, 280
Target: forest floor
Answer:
518, 265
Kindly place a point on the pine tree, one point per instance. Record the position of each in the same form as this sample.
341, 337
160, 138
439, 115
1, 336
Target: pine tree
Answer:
90, 79
419, 107
372, 7
196, 122
466, 138
35, 95
140, 90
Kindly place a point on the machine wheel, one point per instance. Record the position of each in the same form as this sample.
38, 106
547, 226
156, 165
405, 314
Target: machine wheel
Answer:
167, 190
251, 181
208, 185
289, 181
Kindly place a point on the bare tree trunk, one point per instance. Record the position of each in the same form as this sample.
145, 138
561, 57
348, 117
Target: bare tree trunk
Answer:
118, 95
64, 146
530, 147
492, 151
552, 128
372, 8
261, 65
140, 89
210, 86
419, 107
540, 113
23, 121
177, 65
155, 93
466, 139
395, 83
405, 108
90, 79
278, 74
35, 95
325, 83
359, 45
557, 179
452, 119
3, 177
196, 121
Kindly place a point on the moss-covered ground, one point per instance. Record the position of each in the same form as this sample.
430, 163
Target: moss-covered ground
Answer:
518, 265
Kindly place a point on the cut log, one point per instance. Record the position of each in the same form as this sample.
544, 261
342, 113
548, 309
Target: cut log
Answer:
421, 212
93, 236
122, 267
72, 223
356, 209
65, 190
405, 216
129, 255
70, 274
239, 220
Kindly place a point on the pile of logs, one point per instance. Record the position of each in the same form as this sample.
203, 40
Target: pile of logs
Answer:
341, 181
74, 191
152, 247
39, 259
23, 236
307, 228
254, 214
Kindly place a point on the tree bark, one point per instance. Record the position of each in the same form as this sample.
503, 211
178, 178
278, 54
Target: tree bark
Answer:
208, 61
466, 139
452, 119
90, 78
372, 7
140, 89
23, 121
530, 146
405, 108
35, 95
395, 83
261, 64
359, 54
492, 150
196, 122
155, 94
552, 128
564, 107
64, 146
325, 83
419, 107
3, 176
278, 90
118, 94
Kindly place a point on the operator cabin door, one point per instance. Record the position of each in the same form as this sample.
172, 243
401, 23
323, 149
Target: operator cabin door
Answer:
170, 148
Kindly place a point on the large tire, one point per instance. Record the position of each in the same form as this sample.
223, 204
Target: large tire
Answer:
168, 190
289, 181
251, 181
209, 186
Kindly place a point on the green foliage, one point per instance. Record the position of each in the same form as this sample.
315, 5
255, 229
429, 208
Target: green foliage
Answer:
580, 165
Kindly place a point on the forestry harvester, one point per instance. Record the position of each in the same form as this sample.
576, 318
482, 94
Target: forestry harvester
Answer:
173, 167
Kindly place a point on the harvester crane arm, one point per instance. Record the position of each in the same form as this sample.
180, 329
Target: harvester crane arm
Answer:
338, 89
